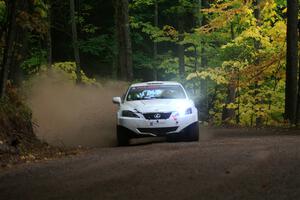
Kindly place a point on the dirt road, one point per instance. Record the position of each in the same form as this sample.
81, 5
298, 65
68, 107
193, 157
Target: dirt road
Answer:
223, 165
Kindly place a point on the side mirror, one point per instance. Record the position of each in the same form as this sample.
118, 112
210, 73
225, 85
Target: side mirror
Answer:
117, 100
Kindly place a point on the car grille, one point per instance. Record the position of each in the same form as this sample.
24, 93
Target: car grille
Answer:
157, 115
158, 131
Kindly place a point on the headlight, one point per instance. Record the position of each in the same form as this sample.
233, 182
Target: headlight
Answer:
189, 111
128, 113
183, 112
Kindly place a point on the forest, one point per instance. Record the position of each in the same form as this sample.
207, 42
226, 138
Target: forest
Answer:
237, 58
231, 132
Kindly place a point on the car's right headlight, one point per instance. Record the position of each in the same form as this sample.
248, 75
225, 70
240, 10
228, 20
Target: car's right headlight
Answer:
128, 113
189, 111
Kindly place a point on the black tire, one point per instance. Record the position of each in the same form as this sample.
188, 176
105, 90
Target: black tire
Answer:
122, 136
189, 134
193, 132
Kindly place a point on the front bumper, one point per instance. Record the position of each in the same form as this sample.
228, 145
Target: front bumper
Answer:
162, 127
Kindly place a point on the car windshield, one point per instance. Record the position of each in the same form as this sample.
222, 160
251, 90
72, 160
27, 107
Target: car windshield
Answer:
155, 92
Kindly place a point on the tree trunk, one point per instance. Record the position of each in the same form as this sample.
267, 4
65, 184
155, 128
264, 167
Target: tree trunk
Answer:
155, 45
181, 61
298, 98
237, 118
291, 61
21, 46
180, 50
128, 44
203, 87
19, 54
203, 65
49, 36
8, 54
229, 113
75, 41
121, 67
256, 3
125, 71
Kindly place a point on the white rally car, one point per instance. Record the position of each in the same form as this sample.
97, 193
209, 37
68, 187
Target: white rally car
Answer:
156, 109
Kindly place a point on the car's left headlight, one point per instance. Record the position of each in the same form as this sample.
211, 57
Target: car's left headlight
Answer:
183, 112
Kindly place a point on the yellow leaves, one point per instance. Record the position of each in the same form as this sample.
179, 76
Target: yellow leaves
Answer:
225, 13
252, 32
278, 33
231, 106
70, 69
215, 74
284, 11
232, 66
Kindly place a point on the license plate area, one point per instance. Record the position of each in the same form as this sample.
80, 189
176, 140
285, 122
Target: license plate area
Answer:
156, 123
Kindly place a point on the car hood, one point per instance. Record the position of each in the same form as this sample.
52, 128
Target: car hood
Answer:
158, 105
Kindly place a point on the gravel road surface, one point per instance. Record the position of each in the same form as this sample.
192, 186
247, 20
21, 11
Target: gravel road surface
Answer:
224, 164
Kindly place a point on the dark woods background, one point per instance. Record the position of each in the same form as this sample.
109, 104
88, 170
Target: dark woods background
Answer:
238, 58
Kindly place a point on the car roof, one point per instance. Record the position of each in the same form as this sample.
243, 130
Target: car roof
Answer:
155, 83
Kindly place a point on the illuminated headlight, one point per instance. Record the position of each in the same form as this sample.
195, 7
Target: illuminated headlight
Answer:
183, 112
189, 111
128, 113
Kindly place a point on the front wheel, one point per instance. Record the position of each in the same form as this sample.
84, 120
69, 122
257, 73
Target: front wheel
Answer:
193, 132
122, 136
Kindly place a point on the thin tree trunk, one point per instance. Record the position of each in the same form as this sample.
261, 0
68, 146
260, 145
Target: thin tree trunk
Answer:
155, 44
203, 87
291, 61
115, 62
75, 41
256, 3
49, 36
237, 118
298, 98
203, 65
118, 36
180, 50
8, 54
298, 101
181, 61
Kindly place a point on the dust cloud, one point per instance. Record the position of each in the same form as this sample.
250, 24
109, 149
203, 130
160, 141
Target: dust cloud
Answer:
72, 115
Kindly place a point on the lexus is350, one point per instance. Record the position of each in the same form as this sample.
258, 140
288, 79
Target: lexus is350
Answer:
156, 109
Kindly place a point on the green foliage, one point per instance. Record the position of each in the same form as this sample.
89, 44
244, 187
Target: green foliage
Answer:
136, 4
182, 7
34, 62
102, 45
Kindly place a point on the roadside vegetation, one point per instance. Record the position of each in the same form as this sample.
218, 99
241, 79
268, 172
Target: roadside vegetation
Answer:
18, 143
